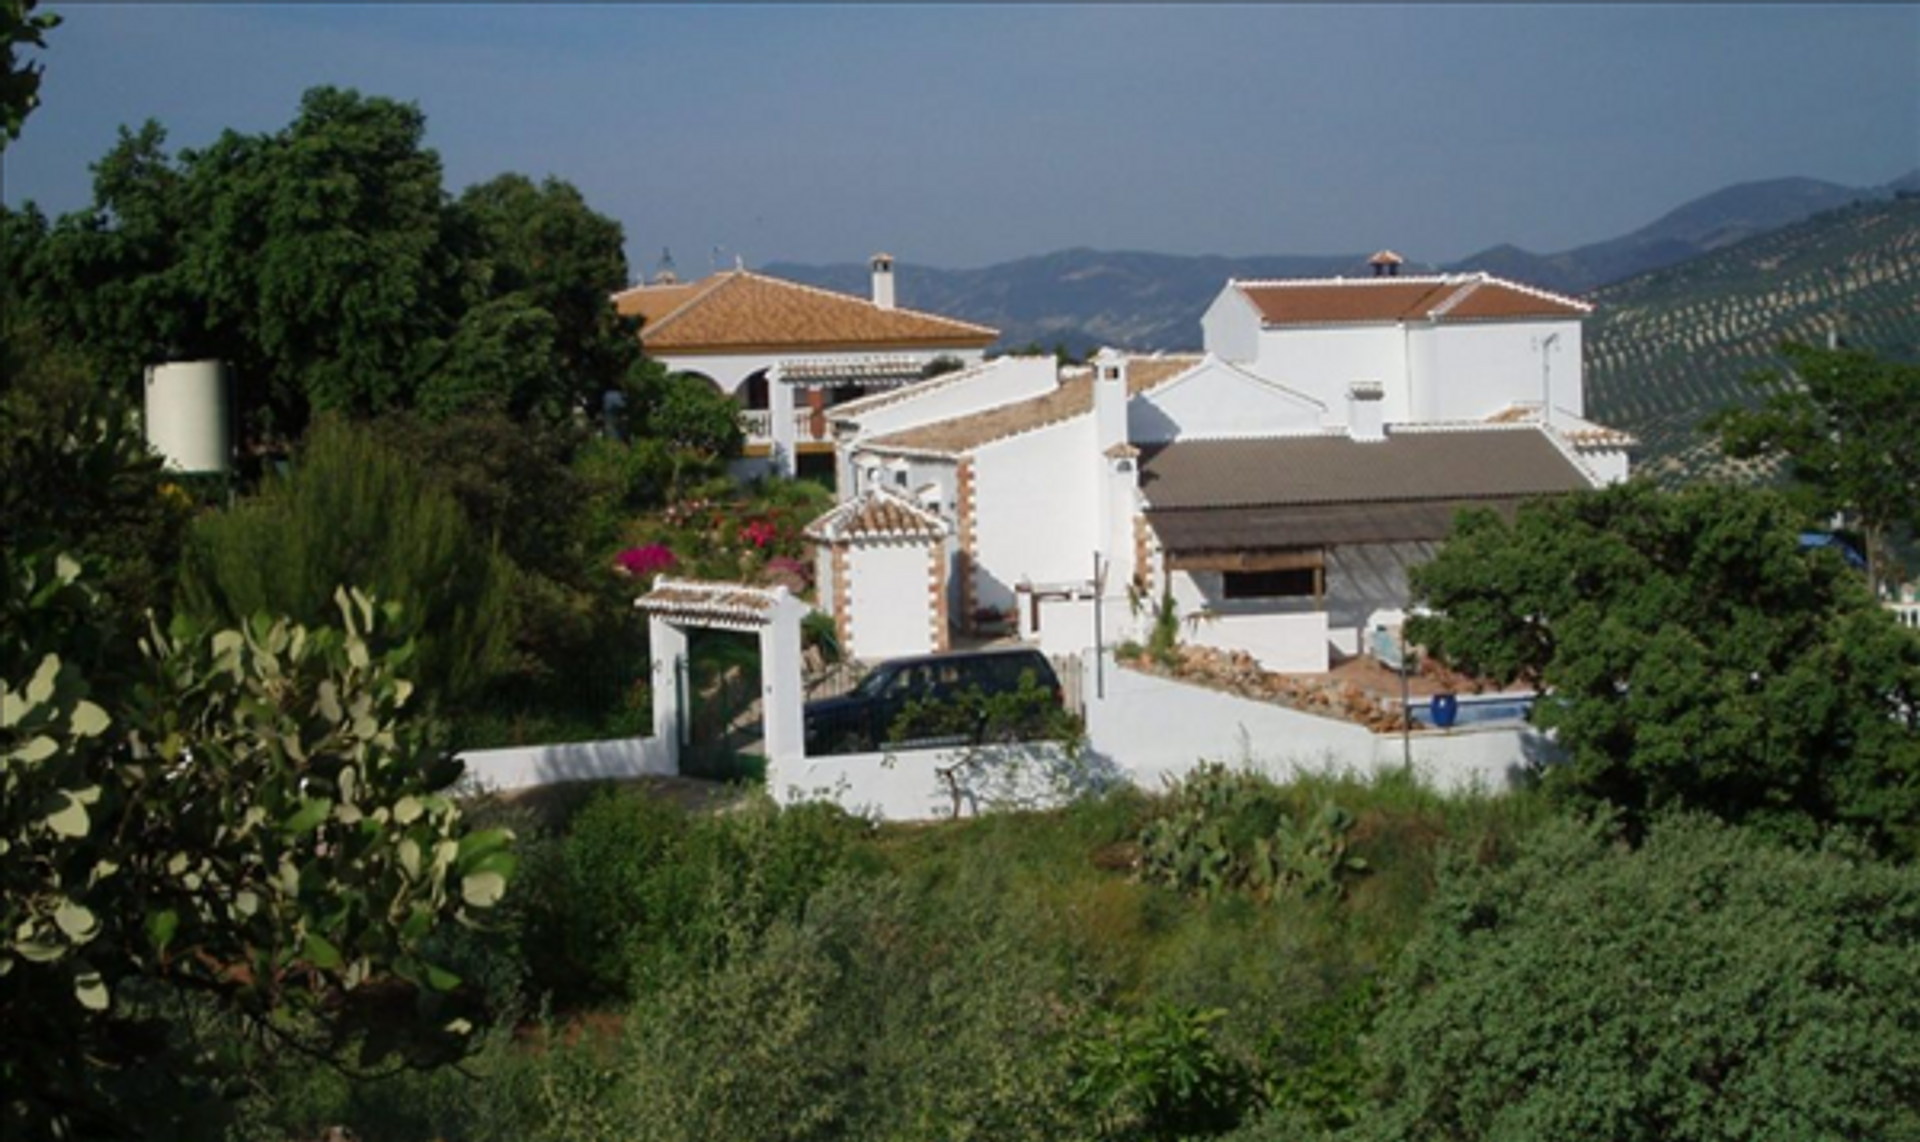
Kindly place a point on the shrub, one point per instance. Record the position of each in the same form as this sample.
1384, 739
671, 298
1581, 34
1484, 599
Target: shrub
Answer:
1709, 985
354, 512
1221, 830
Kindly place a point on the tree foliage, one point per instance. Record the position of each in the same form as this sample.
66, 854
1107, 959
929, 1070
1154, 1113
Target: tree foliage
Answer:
1693, 653
20, 27
352, 512
1845, 425
250, 816
328, 264
1707, 986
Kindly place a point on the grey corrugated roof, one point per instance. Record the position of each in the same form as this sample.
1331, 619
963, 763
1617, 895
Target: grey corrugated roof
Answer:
1407, 467
1191, 531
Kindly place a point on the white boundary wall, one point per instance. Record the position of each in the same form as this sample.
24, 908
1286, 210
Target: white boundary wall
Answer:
1154, 729
907, 785
526, 767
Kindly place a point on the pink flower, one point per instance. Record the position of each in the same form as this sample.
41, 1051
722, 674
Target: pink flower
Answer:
645, 562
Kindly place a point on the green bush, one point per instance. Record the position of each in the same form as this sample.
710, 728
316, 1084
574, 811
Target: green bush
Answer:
352, 511
637, 893
1709, 985
1220, 830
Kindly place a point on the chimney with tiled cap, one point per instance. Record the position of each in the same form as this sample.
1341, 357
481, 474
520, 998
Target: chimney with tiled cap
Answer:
882, 280
1386, 264
1366, 411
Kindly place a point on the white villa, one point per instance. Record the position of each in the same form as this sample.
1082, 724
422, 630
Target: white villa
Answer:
788, 353
1276, 486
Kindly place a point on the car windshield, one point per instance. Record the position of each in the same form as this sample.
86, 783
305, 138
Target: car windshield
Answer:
876, 683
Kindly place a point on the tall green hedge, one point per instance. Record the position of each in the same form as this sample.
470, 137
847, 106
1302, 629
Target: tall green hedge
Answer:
353, 512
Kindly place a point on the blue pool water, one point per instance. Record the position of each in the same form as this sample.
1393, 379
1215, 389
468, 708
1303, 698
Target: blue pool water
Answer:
1480, 710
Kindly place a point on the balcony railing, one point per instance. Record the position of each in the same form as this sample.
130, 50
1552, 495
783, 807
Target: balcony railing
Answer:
1906, 614
757, 423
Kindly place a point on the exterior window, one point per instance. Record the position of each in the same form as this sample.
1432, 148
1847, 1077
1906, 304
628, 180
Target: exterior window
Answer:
1294, 583
900, 478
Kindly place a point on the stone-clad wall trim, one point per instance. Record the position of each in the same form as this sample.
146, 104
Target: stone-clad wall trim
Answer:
937, 594
969, 543
842, 601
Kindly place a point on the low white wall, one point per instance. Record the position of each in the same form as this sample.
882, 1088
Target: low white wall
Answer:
1284, 644
524, 767
1066, 625
907, 785
1154, 729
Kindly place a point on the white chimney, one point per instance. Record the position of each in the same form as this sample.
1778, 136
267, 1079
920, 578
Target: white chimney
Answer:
1366, 411
882, 280
1109, 400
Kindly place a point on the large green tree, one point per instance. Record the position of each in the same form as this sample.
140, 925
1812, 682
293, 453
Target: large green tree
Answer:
1692, 653
328, 264
1708, 985
20, 27
1844, 422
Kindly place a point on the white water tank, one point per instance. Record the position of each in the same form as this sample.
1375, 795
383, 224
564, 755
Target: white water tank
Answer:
187, 419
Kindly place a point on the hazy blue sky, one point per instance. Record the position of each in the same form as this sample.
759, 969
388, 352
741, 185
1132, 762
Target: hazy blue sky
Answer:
968, 134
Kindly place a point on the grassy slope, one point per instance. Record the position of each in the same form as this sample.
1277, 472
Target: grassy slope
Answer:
1665, 349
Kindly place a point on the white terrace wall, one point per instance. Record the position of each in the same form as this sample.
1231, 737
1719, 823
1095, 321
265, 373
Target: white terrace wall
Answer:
1000, 381
1471, 370
1321, 361
1154, 729
1036, 511
526, 767
907, 785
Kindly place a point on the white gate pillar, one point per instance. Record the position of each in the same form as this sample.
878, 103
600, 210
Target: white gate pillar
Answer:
667, 645
782, 691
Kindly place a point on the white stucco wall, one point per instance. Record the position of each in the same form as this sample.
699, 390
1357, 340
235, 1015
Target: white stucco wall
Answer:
1282, 643
1321, 361
503, 770
906, 785
1000, 381
1035, 512
1471, 370
1154, 729
1215, 401
890, 611
1230, 328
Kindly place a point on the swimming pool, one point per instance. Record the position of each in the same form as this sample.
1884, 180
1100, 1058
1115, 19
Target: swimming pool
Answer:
1480, 709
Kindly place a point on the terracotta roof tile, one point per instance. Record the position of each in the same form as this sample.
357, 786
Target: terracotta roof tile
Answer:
1453, 297
740, 310
1073, 398
735, 603
877, 513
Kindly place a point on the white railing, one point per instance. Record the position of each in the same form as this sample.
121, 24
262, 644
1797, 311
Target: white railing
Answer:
757, 423
1906, 614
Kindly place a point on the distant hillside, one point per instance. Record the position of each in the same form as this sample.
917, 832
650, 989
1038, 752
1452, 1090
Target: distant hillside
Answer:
1667, 348
1081, 298
1710, 223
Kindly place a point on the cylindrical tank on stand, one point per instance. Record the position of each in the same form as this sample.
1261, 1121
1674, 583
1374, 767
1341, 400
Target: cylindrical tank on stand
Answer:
187, 417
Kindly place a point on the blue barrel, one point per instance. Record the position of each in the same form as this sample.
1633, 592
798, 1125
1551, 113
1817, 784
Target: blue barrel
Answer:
1445, 710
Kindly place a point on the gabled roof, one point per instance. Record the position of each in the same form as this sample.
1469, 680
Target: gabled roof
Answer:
1310, 491
1454, 464
1444, 297
739, 310
877, 513
1073, 398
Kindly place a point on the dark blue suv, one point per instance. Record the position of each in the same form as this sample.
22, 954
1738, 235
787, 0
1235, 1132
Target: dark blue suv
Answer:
861, 720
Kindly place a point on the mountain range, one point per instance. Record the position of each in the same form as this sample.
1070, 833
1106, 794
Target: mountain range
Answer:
1081, 299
